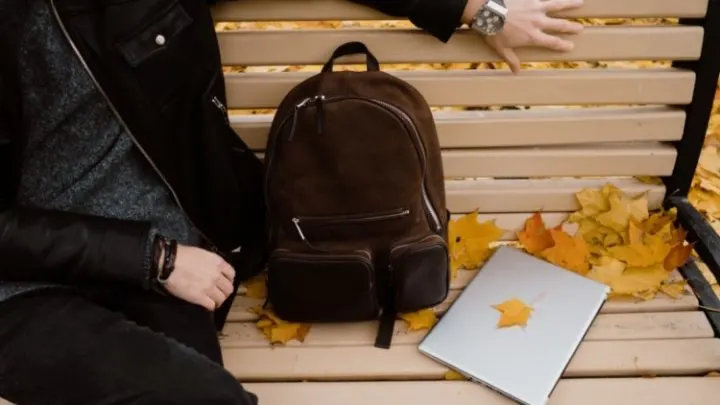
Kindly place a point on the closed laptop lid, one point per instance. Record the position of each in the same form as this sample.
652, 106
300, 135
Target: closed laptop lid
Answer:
523, 363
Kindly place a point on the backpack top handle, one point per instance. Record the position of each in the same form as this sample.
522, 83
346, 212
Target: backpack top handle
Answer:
352, 48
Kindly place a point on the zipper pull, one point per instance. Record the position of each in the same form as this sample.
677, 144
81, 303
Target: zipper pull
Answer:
296, 221
296, 110
320, 118
220, 106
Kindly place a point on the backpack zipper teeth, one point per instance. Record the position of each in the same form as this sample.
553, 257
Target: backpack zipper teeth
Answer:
347, 220
426, 198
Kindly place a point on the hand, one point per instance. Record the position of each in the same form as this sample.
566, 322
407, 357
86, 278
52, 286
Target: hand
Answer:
528, 24
200, 277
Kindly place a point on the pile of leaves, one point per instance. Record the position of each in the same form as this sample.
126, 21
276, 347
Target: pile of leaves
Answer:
617, 242
705, 192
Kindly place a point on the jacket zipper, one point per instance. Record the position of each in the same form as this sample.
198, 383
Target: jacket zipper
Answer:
220, 106
125, 126
321, 100
350, 219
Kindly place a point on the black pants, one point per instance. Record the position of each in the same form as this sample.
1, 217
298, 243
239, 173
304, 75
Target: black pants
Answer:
108, 348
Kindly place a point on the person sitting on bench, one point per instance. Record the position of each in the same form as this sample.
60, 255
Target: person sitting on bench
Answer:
128, 212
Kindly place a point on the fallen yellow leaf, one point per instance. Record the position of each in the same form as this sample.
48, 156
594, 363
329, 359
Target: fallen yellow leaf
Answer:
420, 320
640, 255
256, 287
622, 210
513, 312
277, 330
471, 240
674, 289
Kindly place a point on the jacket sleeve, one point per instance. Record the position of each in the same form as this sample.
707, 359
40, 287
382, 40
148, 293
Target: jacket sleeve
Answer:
63, 247
440, 18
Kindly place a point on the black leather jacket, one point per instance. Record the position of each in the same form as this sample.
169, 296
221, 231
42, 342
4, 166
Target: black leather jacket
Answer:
171, 101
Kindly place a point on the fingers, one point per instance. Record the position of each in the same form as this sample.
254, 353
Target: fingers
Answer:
225, 286
551, 6
208, 303
227, 271
552, 42
560, 25
217, 296
511, 59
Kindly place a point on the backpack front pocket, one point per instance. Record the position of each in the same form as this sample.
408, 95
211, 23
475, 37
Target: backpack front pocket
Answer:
322, 287
420, 273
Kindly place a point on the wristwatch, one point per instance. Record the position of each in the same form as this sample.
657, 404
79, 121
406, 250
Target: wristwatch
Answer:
490, 19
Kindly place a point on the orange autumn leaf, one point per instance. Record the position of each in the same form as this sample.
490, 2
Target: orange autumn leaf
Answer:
571, 253
678, 256
535, 237
513, 312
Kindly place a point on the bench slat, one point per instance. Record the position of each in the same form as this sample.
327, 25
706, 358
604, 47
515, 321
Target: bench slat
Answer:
314, 47
640, 159
528, 195
539, 126
600, 391
478, 88
292, 10
650, 326
593, 359
653, 159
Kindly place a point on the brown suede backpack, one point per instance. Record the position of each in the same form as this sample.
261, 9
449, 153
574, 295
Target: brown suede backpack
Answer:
355, 200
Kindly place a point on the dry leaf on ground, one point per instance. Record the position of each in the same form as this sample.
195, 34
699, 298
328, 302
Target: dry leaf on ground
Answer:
535, 237
277, 330
256, 287
570, 252
470, 241
420, 320
513, 312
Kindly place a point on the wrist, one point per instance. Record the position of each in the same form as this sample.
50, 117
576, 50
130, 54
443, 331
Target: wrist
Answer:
472, 7
163, 260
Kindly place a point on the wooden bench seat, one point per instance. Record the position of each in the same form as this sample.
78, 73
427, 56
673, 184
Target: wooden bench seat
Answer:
512, 145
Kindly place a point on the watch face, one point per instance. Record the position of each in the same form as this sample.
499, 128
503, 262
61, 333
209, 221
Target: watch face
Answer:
488, 22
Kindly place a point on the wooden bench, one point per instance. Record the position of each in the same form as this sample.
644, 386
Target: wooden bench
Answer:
512, 145
507, 161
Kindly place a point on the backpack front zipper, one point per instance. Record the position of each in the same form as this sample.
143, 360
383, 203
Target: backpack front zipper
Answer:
320, 101
346, 219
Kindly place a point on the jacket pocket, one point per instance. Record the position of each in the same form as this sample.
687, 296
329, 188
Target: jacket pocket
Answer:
322, 287
167, 54
420, 273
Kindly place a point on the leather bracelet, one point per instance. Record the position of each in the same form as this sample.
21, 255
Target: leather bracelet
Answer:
168, 262
157, 252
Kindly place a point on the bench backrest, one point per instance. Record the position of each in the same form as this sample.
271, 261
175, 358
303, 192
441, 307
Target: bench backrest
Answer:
521, 143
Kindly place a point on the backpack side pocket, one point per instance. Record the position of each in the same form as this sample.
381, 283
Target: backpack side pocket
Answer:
421, 273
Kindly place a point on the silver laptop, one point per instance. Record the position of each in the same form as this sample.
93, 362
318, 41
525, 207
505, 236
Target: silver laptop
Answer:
523, 364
